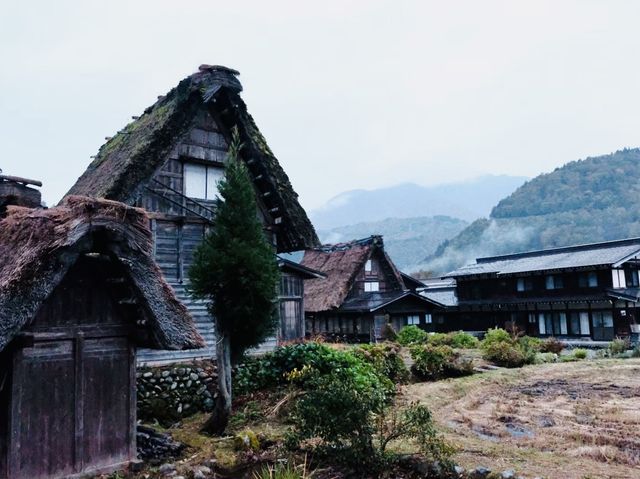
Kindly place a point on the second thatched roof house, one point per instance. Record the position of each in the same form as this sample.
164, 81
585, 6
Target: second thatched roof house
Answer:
362, 292
169, 160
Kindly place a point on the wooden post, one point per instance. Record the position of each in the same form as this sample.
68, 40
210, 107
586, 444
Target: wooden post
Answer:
79, 401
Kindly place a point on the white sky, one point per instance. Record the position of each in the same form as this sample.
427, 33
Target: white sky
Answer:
349, 94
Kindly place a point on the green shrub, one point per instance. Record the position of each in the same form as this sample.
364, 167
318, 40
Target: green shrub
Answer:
552, 345
437, 362
636, 352
542, 358
580, 353
439, 339
414, 422
411, 335
506, 354
337, 409
463, 340
495, 336
618, 346
529, 343
272, 369
385, 358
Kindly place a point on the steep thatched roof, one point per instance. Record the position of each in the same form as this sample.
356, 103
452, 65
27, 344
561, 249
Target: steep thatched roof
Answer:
341, 263
128, 160
39, 246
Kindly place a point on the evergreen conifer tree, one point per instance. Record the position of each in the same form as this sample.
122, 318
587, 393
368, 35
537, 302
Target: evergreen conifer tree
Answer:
236, 271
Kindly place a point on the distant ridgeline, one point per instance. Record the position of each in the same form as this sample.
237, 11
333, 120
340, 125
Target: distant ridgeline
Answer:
407, 240
585, 201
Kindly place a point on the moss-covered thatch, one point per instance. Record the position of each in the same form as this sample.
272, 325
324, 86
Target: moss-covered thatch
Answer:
127, 162
39, 246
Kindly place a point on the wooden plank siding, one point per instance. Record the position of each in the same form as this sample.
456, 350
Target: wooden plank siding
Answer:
73, 384
178, 231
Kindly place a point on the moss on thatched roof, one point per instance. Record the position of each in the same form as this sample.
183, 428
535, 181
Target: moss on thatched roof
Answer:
129, 159
39, 246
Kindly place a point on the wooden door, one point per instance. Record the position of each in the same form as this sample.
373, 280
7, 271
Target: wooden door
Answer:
42, 419
72, 407
108, 403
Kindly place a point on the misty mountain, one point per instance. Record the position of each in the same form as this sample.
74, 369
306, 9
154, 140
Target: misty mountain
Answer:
585, 201
466, 200
407, 240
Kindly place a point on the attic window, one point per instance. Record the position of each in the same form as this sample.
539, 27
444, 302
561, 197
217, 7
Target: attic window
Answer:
371, 286
201, 181
368, 266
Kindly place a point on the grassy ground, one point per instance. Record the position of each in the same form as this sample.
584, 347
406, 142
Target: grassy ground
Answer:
566, 420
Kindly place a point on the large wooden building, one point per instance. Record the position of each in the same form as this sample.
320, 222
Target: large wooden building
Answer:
588, 292
362, 292
169, 160
79, 292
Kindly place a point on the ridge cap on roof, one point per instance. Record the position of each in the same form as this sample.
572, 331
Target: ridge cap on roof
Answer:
560, 249
335, 247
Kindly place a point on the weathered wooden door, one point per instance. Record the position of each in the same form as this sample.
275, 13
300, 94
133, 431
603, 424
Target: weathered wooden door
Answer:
71, 409
73, 382
42, 418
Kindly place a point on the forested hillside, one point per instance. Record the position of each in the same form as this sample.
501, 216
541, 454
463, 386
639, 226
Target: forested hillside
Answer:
590, 200
407, 240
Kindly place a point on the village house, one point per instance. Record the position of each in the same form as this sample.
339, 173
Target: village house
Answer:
169, 161
79, 292
583, 292
363, 291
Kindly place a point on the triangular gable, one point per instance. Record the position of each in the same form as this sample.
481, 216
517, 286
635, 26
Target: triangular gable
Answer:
128, 161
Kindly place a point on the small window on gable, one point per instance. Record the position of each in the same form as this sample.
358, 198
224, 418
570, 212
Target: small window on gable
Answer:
371, 286
368, 266
201, 181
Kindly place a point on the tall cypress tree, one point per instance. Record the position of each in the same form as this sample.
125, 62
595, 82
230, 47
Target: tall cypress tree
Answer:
236, 271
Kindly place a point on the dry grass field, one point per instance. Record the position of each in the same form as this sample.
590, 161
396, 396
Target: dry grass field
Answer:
559, 421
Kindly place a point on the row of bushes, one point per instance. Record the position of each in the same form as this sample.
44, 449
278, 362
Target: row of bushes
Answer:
412, 335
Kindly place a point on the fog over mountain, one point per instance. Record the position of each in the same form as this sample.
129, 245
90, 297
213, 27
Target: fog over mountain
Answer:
464, 200
585, 201
407, 240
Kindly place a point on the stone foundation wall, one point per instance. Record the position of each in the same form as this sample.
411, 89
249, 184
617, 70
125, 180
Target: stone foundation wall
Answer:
167, 394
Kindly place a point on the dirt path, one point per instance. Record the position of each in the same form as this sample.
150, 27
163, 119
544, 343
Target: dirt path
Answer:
559, 421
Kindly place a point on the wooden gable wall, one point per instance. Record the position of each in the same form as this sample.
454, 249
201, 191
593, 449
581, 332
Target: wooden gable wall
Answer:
381, 271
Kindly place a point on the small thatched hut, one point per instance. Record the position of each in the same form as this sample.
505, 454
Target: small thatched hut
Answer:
79, 290
363, 291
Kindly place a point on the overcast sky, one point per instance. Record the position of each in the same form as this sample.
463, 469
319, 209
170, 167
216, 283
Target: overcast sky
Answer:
349, 94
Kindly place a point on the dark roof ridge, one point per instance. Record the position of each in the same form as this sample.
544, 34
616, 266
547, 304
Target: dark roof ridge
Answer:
561, 249
330, 248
